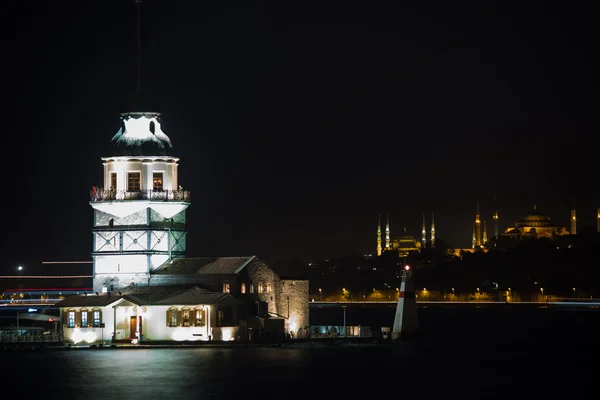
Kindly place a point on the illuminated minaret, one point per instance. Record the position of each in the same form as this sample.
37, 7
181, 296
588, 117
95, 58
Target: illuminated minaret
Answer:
387, 232
573, 220
432, 231
477, 228
474, 240
424, 233
139, 213
495, 223
379, 235
484, 232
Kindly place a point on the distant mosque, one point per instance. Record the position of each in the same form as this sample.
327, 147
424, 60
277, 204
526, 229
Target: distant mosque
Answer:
404, 244
533, 225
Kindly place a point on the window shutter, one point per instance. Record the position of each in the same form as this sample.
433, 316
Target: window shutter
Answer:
179, 318
193, 317
78, 319
65, 317
100, 316
90, 318
169, 317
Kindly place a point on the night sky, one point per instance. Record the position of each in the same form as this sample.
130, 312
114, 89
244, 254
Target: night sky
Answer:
297, 123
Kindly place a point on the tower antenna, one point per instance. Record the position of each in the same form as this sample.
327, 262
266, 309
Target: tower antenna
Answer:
139, 47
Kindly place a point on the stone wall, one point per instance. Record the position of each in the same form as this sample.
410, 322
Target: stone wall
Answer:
293, 298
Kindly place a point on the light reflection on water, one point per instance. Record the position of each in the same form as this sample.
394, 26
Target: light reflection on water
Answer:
501, 353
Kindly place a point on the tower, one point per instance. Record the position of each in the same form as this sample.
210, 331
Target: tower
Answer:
139, 214
432, 231
484, 232
378, 235
573, 220
477, 228
598, 221
387, 232
474, 240
495, 217
424, 233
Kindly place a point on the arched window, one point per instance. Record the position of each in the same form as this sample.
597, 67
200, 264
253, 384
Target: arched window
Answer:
111, 222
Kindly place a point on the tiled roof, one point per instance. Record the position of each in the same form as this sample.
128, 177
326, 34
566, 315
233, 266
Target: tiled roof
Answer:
172, 295
90, 300
204, 266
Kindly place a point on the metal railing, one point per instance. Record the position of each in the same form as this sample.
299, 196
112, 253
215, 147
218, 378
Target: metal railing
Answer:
152, 195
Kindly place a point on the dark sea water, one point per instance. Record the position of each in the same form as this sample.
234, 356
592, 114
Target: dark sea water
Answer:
464, 352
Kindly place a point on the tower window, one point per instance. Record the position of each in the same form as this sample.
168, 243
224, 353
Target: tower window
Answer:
157, 181
133, 182
113, 181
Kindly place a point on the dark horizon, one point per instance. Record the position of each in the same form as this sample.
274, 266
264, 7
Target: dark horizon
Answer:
298, 125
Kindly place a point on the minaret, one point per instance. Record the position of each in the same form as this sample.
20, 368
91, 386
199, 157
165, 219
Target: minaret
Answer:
477, 228
432, 231
379, 235
573, 220
474, 240
424, 233
387, 232
495, 223
139, 214
598, 221
484, 232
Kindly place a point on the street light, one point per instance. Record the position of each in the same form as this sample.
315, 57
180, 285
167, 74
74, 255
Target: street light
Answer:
320, 294
574, 294
542, 290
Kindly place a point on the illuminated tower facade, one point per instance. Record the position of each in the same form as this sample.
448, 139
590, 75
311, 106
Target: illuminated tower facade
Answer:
477, 228
387, 233
484, 232
474, 240
432, 231
495, 223
139, 213
379, 235
573, 221
424, 233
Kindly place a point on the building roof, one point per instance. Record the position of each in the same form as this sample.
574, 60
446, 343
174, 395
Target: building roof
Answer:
172, 295
89, 300
148, 295
204, 266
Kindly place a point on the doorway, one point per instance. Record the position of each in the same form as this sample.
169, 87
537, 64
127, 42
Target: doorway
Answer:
133, 327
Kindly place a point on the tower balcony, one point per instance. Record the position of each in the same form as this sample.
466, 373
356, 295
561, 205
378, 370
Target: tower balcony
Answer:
151, 195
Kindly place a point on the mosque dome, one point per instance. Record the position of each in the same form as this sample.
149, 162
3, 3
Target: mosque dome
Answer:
535, 220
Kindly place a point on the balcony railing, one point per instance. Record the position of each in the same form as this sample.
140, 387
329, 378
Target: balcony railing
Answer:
153, 195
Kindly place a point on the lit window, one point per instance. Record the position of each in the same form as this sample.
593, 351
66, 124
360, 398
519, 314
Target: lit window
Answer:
268, 288
84, 319
199, 320
172, 318
157, 181
186, 317
113, 181
226, 288
133, 182
97, 319
243, 288
251, 288
71, 319
260, 288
